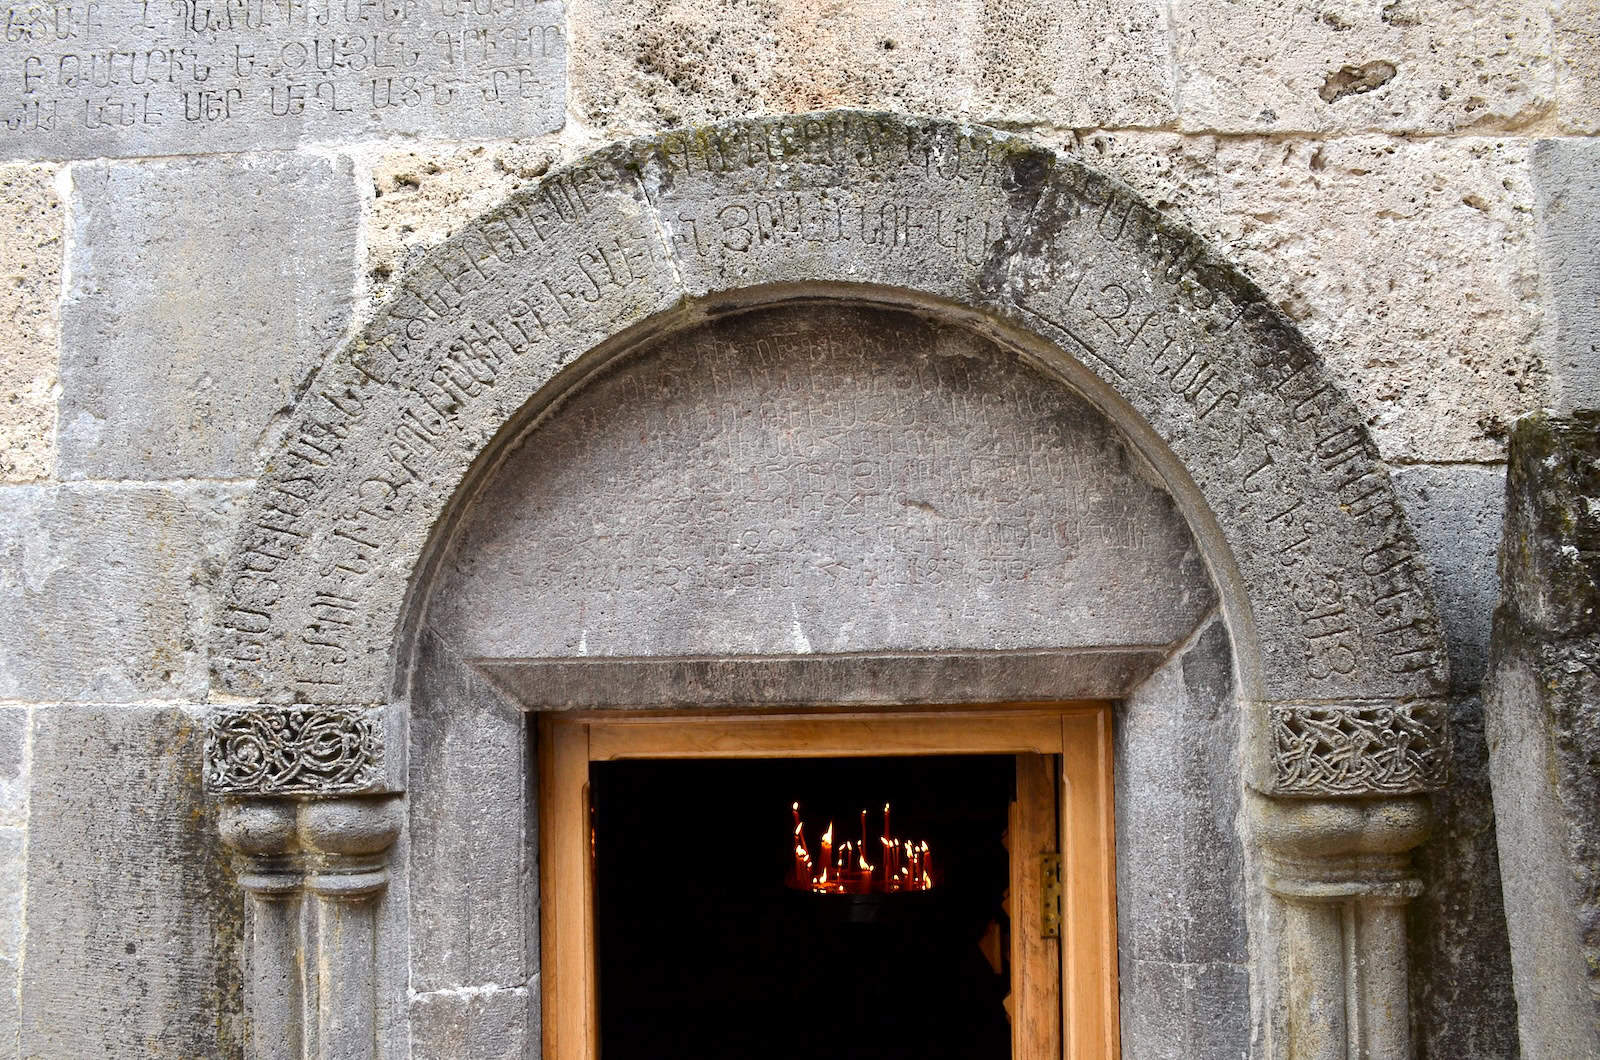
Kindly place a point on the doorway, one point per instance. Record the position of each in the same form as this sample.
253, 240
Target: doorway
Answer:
696, 902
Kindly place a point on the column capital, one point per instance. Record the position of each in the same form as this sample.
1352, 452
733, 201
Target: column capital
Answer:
1337, 849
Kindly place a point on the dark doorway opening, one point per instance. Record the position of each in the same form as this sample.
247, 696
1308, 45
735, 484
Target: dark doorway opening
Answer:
706, 950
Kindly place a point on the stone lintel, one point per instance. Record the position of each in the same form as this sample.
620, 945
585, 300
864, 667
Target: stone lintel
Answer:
867, 679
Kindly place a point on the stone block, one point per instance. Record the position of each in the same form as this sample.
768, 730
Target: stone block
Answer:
473, 861
1101, 63
105, 590
863, 482
1459, 959
1456, 512
14, 733
13, 887
1173, 172
422, 195
1191, 1010
475, 1023
1180, 864
1542, 721
667, 63
1568, 234
1407, 66
202, 295
30, 287
1577, 42
1411, 266
125, 78
133, 920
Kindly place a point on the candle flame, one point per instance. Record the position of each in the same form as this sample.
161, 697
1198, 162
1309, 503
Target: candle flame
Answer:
905, 865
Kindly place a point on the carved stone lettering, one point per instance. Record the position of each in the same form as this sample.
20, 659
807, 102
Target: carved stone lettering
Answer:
292, 751
1124, 304
822, 479
1365, 749
87, 78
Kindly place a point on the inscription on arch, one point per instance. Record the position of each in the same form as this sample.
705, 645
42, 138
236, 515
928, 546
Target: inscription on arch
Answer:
870, 204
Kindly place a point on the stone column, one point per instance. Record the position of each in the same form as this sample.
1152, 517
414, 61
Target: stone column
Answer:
347, 843
261, 833
1341, 869
312, 811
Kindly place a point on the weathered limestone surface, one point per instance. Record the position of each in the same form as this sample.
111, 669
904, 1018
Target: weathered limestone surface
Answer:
420, 196
14, 732
202, 294
1456, 511
1461, 996
1460, 960
821, 480
1411, 266
473, 865
30, 285
1568, 196
956, 213
132, 927
125, 77
105, 590
1577, 42
1174, 173
1543, 727
665, 63
1181, 912
1403, 66
474, 1025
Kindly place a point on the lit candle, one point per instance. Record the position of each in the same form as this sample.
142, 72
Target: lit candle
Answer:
827, 850
802, 856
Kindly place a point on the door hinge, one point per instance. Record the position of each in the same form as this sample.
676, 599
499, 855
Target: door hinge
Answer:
1050, 895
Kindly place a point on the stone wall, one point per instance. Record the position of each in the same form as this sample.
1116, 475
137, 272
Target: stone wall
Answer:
1408, 181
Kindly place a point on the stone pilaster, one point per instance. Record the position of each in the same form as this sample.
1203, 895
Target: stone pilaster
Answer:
312, 810
1340, 871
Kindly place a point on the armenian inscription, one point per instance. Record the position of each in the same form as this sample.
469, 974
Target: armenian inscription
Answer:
975, 218
825, 479
91, 78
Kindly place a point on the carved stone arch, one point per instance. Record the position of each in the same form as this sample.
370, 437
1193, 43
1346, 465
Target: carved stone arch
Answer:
1337, 647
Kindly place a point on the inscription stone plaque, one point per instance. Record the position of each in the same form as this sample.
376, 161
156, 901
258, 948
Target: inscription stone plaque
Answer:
110, 78
822, 479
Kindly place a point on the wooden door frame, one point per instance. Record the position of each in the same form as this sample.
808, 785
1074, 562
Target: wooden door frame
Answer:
1078, 734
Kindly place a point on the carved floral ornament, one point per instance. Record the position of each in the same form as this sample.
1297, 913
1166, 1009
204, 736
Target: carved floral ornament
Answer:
292, 751
638, 234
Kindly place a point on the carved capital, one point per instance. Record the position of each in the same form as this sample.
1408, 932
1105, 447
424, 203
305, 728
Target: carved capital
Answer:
1333, 850
1358, 749
298, 750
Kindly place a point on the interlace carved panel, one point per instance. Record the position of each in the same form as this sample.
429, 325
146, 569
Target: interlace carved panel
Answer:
1386, 748
292, 751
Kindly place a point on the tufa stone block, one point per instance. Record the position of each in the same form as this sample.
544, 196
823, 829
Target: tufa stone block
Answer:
1456, 512
105, 591
30, 287
1568, 245
1408, 66
671, 63
1577, 42
203, 293
1411, 267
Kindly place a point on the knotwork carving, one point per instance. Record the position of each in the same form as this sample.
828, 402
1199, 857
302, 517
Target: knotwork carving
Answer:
292, 751
1365, 749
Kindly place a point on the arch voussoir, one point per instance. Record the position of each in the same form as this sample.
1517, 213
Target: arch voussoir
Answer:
1333, 620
